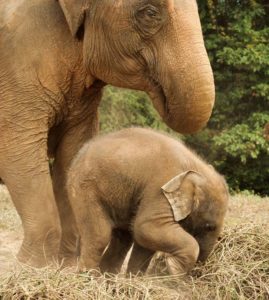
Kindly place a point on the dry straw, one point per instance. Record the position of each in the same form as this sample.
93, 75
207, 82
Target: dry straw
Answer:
238, 269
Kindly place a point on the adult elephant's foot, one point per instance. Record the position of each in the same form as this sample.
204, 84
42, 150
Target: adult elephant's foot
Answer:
33, 198
68, 261
69, 250
40, 252
68, 256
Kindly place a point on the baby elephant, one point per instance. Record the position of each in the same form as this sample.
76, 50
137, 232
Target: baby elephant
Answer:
140, 186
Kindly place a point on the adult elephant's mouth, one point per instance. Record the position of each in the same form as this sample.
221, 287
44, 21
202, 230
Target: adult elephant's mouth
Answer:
158, 97
184, 102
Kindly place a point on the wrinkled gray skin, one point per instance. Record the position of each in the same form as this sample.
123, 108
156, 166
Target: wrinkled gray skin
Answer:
55, 58
137, 184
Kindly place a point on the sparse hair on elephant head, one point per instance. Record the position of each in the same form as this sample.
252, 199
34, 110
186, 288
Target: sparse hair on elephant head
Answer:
198, 206
152, 45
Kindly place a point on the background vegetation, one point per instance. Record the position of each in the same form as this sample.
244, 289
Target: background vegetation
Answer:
237, 36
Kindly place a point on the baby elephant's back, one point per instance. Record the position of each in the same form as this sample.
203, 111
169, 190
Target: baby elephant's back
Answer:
118, 165
127, 150
134, 154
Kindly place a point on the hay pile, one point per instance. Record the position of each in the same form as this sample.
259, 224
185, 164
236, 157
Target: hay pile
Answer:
238, 269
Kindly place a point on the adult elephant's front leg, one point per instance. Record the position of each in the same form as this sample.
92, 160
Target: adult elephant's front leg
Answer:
25, 170
70, 144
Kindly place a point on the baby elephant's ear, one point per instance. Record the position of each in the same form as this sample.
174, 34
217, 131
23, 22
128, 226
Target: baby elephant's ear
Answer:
179, 191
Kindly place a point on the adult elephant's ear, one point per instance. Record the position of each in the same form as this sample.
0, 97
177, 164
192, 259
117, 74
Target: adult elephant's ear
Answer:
180, 192
74, 11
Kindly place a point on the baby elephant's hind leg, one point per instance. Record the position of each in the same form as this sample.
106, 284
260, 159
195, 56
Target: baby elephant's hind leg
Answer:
94, 229
116, 252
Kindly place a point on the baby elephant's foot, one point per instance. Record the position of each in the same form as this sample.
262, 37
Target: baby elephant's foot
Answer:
90, 272
181, 263
173, 266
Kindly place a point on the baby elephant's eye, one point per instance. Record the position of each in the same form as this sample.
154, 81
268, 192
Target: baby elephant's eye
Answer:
210, 227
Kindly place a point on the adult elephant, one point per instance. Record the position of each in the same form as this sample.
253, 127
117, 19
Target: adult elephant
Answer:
55, 58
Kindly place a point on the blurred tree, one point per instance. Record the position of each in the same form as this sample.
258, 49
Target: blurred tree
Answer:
266, 132
237, 39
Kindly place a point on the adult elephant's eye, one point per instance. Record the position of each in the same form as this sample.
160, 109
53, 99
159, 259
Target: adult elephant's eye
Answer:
151, 12
148, 13
149, 19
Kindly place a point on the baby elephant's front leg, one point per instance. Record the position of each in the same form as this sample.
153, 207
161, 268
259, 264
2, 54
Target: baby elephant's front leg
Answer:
181, 248
116, 252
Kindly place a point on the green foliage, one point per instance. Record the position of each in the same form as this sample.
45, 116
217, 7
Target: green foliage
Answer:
237, 37
124, 108
243, 154
244, 141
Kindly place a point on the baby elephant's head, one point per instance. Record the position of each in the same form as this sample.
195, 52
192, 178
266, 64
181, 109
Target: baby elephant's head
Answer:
199, 204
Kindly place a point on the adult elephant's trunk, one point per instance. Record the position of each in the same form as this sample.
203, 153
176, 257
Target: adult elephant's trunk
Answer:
190, 95
185, 75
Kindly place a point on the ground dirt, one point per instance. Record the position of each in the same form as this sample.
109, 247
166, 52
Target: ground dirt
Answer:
10, 231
